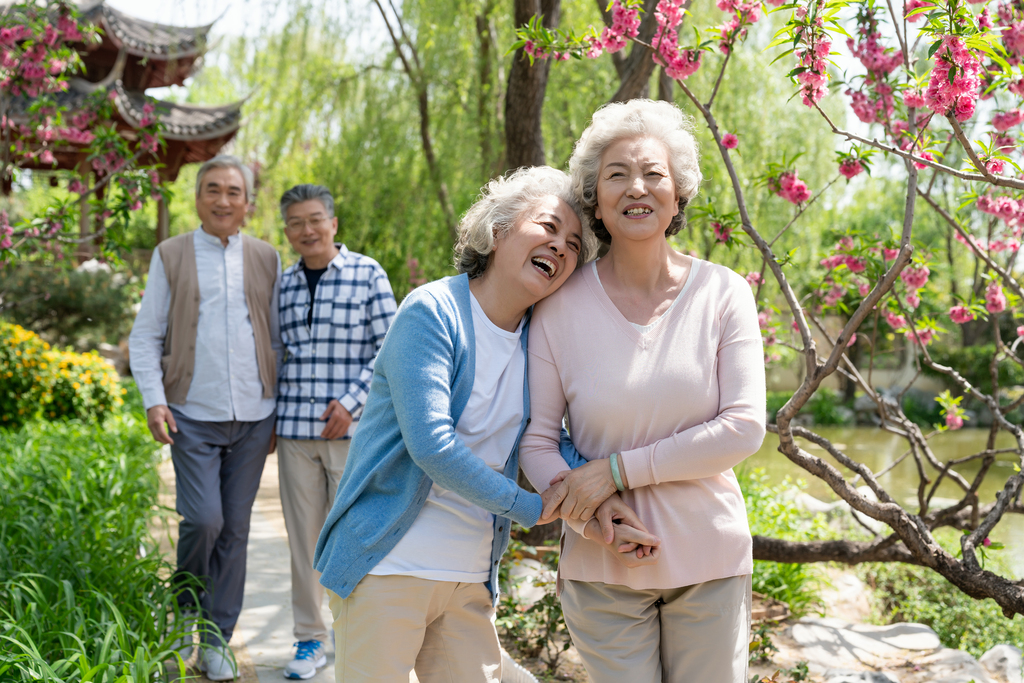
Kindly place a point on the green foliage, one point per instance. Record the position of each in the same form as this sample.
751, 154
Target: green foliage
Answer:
70, 306
36, 380
534, 631
973, 363
905, 593
823, 406
84, 593
771, 512
761, 646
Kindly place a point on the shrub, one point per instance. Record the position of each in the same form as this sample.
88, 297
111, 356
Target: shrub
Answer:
78, 307
973, 363
772, 512
37, 380
824, 407
84, 592
904, 593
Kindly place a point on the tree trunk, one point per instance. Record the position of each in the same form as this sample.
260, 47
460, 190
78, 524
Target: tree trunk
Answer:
527, 85
485, 82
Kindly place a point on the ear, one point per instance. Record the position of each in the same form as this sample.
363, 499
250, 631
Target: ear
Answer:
597, 213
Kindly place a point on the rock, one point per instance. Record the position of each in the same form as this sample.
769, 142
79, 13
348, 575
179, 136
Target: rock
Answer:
952, 666
1004, 663
845, 596
860, 677
834, 642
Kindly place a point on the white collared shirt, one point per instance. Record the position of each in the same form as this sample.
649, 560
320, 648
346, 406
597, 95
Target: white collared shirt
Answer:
226, 383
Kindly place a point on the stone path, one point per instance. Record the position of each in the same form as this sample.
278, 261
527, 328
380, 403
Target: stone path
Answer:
262, 641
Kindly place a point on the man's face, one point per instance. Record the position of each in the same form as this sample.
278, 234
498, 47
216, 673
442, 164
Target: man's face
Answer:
310, 229
222, 201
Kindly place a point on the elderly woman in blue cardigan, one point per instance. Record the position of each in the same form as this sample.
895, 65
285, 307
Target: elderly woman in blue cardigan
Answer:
410, 550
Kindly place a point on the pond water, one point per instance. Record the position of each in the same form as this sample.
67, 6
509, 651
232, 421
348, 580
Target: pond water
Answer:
878, 449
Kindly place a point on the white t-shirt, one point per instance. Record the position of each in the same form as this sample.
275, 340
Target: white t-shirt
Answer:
450, 539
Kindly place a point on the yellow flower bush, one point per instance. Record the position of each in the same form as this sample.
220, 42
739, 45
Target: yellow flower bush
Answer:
37, 380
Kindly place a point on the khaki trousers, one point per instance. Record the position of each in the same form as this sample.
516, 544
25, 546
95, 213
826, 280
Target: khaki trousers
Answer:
309, 472
390, 625
694, 634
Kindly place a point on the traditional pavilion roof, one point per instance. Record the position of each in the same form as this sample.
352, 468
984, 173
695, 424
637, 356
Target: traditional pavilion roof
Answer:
158, 54
181, 121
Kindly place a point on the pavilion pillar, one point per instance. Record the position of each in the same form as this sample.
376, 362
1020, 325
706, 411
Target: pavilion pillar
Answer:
163, 220
84, 250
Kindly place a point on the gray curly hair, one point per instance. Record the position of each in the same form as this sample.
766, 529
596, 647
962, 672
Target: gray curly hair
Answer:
501, 203
636, 118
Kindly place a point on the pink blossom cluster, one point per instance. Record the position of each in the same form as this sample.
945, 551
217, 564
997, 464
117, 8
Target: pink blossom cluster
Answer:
625, 25
790, 188
895, 320
26, 64
960, 314
850, 167
743, 15
722, 232
1012, 22
955, 81
954, 422
730, 141
754, 279
995, 299
913, 99
1007, 119
915, 277
5, 231
921, 337
108, 163
913, 5
678, 64
769, 335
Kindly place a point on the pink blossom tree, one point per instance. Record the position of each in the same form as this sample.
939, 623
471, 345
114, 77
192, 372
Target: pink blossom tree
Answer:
924, 72
47, 119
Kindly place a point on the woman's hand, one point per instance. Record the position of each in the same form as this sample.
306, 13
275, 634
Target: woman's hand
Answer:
582, 491
551, 498
630, 546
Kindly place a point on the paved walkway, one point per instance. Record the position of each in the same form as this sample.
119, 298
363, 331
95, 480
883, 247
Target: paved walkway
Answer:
263, 639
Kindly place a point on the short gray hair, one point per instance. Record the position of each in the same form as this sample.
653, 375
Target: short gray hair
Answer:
661, 121
227, 161
307, 193
501, 203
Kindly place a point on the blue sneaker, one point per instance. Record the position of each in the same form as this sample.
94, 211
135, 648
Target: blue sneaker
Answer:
309, 657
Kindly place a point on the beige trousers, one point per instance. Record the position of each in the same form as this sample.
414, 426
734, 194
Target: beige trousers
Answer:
390, 625
309, 472
694, 634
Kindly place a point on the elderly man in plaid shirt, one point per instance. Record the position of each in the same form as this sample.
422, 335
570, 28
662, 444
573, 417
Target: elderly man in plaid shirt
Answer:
335, 308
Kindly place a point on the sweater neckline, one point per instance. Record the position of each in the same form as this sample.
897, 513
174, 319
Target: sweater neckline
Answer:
653, 330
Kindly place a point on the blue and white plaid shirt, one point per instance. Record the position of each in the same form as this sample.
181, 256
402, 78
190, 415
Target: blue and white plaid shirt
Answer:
333, 358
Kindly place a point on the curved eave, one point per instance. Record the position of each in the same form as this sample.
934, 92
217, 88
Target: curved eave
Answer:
148, 39
181, 122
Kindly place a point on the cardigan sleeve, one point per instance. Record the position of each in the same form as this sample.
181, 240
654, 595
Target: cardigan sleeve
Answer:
713, 447
418, 361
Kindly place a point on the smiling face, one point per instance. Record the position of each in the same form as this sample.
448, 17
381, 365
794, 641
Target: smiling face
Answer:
221, 202
311, 231
540, 251
636, 195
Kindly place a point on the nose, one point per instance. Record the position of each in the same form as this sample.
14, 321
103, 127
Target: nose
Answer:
637, 188
558, 245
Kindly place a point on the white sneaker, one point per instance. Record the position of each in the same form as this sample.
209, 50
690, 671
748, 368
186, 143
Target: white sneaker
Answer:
218, 663
309, 657
184, 645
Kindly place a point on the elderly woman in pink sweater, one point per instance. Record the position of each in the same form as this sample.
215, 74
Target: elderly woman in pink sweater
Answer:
657, 356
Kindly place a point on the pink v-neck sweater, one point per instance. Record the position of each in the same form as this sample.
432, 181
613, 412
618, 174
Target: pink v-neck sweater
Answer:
682, 404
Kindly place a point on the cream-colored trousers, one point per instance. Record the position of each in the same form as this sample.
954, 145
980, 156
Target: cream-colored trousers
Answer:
390, 625
694, 634
309, 472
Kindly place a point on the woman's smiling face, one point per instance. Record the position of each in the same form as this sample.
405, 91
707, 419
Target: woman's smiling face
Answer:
541, 250
636, 195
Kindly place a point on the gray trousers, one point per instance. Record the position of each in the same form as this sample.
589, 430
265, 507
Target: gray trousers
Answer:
217, 469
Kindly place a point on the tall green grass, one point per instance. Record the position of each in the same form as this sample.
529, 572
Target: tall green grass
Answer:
85, 594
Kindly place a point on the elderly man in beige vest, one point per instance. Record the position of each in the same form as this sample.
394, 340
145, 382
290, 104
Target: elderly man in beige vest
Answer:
205, 349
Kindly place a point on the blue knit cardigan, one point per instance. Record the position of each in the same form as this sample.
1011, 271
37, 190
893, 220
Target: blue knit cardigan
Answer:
422, 380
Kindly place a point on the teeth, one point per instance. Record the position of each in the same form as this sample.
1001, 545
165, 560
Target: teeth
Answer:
637, 212
544, 265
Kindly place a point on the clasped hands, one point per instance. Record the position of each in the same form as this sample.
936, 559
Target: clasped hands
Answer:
588, 493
